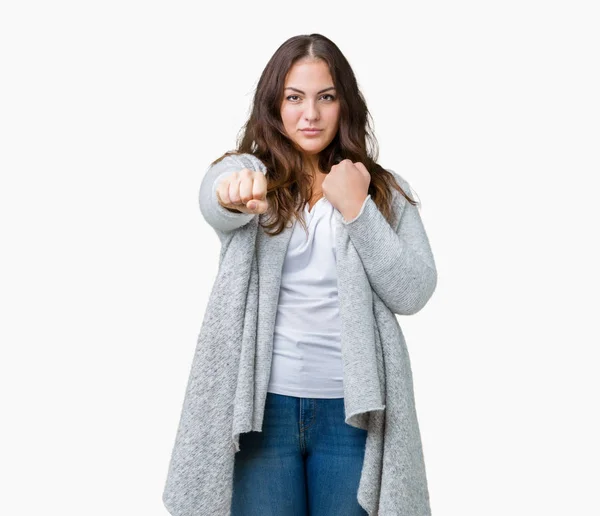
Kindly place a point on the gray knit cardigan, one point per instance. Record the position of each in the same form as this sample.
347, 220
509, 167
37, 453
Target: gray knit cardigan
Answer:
383, 270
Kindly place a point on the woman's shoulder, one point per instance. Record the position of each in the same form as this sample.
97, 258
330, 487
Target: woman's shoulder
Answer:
403, 183
399, 178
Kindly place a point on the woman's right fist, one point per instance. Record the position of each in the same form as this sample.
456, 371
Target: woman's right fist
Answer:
244, 190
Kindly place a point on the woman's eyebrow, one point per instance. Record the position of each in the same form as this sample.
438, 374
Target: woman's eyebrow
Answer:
300, 91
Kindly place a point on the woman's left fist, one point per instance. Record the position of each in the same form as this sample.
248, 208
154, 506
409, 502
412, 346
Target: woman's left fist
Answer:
347, 186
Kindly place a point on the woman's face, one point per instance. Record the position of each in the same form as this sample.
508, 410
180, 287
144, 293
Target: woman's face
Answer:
310, 101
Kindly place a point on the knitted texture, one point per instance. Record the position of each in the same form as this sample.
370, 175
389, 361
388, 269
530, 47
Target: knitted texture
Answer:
383, 270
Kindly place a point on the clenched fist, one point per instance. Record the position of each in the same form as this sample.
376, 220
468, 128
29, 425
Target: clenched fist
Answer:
244, 190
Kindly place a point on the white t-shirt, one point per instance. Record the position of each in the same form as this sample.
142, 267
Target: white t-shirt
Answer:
307, 354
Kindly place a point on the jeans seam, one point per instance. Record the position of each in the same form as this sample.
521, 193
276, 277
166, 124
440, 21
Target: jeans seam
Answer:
313, 402
301, 429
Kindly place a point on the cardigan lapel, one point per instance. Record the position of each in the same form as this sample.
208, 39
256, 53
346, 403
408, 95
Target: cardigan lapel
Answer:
271, 251
364, 384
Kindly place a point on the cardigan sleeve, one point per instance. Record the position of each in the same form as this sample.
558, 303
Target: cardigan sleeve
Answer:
216, 215
398, 262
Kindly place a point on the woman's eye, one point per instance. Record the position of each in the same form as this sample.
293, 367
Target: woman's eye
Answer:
292, 98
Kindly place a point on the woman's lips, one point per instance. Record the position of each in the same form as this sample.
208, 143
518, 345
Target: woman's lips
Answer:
311, 132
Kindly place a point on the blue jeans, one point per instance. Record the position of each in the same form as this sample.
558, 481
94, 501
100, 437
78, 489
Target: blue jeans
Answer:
306, 461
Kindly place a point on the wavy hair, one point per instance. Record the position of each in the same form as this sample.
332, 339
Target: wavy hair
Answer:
289, 186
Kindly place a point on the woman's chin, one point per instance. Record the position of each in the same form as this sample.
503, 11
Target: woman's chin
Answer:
311, 149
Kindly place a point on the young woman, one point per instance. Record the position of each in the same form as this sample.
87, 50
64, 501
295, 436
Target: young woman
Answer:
317, 389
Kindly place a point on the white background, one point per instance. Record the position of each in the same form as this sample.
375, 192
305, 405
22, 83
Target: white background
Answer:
110, 113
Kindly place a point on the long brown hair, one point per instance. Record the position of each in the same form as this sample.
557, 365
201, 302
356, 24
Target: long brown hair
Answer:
263, 135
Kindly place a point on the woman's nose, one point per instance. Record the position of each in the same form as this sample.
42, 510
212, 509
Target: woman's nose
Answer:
311, 112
